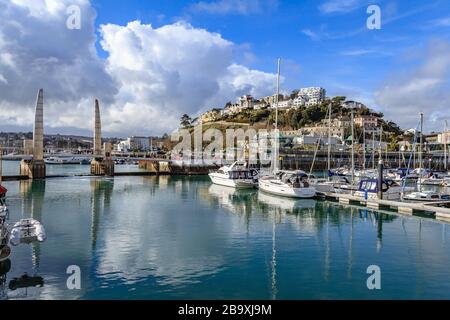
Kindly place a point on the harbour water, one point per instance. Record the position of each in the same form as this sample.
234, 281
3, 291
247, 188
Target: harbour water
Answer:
175, 237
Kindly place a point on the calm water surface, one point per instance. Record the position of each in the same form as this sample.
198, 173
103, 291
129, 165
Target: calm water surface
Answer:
183, 238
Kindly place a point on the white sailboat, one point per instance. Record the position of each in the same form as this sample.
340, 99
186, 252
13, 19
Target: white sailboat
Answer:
292, 184
323, 185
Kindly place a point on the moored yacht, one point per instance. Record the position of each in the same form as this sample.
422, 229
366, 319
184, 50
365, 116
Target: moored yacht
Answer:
433, 179
426, 196
322, 185
66, 160
368, 189
238, 175
401, 174
292, 184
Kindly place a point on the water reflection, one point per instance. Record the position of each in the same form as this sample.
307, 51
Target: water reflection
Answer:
33, 194
181, 237
5, 267
101, 192
317, 218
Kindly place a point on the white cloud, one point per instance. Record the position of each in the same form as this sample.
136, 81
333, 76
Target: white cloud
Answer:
357, 52
311, 34
339, 6
425, 88
150, 76
243, 7
442, 22
37, 50
176, 69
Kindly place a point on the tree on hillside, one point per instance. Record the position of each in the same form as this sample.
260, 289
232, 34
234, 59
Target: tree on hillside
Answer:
185, 121
338, 101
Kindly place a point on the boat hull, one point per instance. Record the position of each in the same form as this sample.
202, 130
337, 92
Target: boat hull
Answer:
284, 191
232, 183
323, 187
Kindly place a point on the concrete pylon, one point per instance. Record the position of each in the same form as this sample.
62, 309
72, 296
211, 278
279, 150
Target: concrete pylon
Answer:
97, 131
100, 165
38, 131
35, 168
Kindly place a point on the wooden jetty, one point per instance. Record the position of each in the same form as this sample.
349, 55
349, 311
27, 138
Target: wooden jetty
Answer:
407, 208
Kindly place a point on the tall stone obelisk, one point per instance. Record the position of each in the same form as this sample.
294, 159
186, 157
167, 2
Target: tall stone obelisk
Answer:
35, 168
97, 132
38, 131
102, 164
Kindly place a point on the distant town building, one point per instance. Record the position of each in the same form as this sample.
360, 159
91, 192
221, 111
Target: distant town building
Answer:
298, 102
282, 104
369, 122
432, 138
134, 144
232, 109
337, 128
271, 100
210, 116
27, 147
375, 145
353, 104
444, 138
312, 95
323, 130
343, 122
260, 105
246, 102
312, 140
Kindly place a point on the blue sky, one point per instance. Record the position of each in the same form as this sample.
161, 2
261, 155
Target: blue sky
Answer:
149, 62
330, 48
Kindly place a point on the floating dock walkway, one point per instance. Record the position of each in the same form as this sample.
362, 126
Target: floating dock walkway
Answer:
407, 208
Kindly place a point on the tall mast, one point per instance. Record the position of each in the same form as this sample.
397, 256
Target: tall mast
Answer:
276, 117
421, 145
373, 149
381, 141
329, 137
364, 148
353, 144
445, 146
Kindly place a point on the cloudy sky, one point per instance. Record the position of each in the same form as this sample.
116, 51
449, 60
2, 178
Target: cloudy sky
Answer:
151, 61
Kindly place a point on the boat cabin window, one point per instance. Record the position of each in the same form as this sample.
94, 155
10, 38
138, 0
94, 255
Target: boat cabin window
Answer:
221, 171
434, 196
239, 175
369, 185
